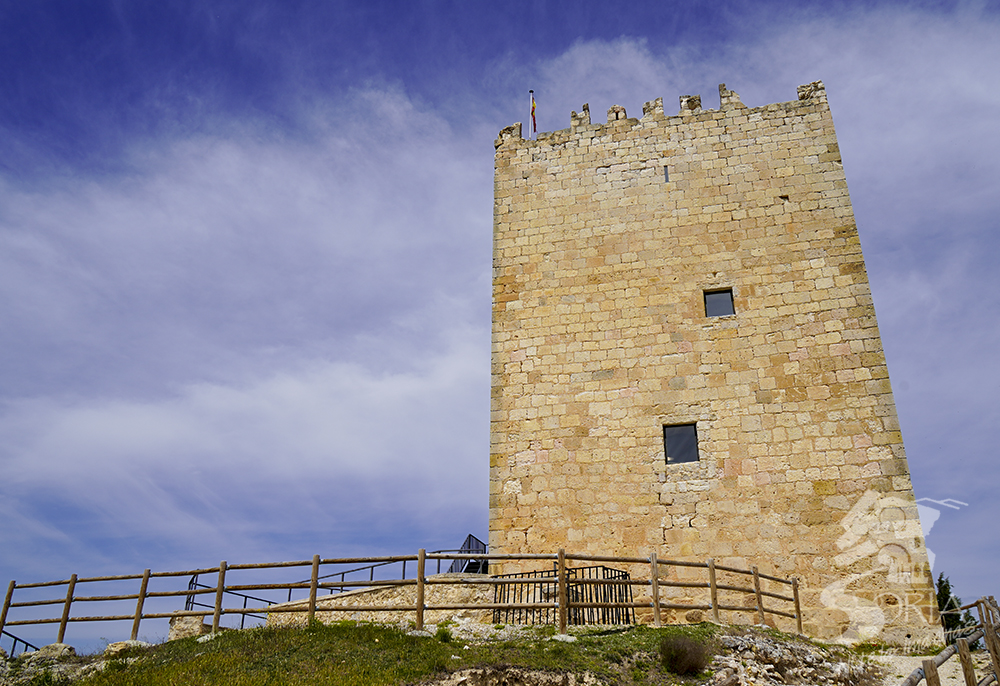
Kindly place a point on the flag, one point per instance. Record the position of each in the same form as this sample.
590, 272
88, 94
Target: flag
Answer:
534, 128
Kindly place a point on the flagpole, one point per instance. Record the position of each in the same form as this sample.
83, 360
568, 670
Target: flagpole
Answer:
531, 114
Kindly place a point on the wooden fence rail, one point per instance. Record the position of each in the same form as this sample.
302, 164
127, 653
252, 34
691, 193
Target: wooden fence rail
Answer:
654, 578
989, 621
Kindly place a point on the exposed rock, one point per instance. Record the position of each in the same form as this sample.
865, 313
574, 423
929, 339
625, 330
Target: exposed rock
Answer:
185, 626
511, 676
755, 658
57, 660
121, 646
52, 651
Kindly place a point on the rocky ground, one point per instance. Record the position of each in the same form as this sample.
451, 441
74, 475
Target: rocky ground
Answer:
750, 657
58, 663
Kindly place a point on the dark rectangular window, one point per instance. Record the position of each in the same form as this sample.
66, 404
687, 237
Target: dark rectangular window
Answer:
680, 443
666, 174
719, 303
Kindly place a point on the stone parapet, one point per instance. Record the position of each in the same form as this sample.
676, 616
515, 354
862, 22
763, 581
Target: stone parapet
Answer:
606, 239
395, 596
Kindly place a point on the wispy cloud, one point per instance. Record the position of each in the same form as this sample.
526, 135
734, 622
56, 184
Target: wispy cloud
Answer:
271, 333
253, 333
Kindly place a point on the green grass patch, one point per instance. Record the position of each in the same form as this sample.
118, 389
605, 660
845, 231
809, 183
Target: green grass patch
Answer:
876, 647
369, 655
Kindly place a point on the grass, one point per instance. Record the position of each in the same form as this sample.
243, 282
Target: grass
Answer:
876, 647
369, 655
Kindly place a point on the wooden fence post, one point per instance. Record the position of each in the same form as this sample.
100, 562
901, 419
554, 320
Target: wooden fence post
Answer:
990, 635
968, 671
219, 590
714, 591
655, 583
139, 603
420, 588
65, 614
798, 608
313, 585
563, 595
6, 603
931, 673
760, 598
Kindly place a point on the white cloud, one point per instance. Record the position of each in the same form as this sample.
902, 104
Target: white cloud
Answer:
227, 247
164, 469
259, 329
256, 334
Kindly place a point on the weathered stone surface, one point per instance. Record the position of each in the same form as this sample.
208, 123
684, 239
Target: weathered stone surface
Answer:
119, 647
52, 651
183, 627
759, 659
434, 594
51, 663
606, 238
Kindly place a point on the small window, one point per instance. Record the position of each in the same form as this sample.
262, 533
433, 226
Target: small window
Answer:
666, 174
719, 303
680, 443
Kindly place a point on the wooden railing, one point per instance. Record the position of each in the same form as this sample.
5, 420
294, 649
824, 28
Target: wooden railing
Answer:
989, 621
656, 578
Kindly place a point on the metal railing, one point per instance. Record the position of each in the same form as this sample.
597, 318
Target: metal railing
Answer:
655, 580
191, 603
15, 641
987, 629
471, 545
584, 597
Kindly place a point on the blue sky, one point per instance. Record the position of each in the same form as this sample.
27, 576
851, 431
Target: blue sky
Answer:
245, 253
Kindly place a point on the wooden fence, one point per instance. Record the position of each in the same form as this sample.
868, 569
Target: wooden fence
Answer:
989, 622
655, 578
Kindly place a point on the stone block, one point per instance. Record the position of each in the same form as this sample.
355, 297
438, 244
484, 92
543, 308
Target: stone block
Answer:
601, 338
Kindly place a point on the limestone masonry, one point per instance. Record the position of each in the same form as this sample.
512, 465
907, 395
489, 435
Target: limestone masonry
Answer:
686, 359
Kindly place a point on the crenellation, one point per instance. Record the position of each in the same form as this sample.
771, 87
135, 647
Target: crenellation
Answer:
601, 260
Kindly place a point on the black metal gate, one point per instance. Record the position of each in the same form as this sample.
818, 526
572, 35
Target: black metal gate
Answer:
548, 592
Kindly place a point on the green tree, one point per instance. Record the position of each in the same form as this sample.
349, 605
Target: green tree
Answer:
948, 604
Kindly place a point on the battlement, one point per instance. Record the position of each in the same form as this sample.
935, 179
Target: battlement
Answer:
686, 360
809, 95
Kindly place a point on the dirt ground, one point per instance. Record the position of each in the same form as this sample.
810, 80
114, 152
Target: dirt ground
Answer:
899, 667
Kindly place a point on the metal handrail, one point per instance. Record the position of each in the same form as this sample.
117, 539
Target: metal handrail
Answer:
191, 603
16, 640
468, 547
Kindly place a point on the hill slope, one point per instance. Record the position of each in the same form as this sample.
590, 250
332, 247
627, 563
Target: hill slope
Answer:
467, 654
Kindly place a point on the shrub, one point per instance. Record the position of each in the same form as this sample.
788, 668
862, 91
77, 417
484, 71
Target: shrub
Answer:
443, 634
682, 655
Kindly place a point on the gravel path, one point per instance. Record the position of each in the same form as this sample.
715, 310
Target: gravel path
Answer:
899, 667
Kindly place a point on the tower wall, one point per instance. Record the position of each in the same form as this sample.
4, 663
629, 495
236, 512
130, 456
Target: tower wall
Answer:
606, 238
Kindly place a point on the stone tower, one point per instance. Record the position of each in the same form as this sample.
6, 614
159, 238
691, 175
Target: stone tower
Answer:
686, 359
